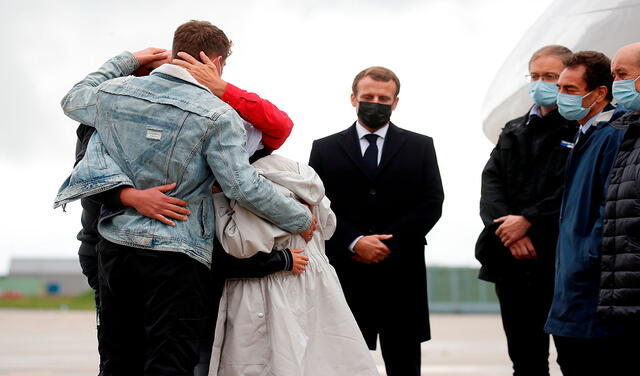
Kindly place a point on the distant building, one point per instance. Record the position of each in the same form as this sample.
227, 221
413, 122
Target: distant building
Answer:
450, 289
57, 276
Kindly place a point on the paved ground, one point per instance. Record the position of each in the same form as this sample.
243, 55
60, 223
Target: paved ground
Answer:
57, 343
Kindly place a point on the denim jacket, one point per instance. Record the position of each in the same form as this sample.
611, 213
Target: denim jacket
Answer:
160, 129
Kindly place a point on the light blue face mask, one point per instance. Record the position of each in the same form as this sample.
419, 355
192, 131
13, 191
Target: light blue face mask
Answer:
544, 93
570, 106
625, 93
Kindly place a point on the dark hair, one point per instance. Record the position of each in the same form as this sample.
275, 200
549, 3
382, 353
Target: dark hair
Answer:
195, 36
561, 52
597, 69
378, 74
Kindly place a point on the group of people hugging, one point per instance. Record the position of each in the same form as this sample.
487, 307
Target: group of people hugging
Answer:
206, 251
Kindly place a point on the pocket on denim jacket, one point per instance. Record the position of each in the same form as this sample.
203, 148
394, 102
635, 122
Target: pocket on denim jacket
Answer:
205, 211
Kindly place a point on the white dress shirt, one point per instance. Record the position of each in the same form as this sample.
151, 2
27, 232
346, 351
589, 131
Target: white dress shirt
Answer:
364, 144
585, 127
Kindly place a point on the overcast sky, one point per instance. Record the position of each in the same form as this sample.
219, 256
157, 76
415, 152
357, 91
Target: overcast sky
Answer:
301, 55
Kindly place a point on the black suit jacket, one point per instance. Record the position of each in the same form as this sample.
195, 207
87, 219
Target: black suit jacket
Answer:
403, 198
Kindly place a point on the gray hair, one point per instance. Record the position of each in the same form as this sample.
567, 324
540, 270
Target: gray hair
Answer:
561, 52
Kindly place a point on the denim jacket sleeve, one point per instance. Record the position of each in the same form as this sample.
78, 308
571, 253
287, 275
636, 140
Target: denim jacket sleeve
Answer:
97, 172
224, 151
80, 102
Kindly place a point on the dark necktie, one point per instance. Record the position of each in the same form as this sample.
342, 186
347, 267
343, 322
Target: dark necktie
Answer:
370, 157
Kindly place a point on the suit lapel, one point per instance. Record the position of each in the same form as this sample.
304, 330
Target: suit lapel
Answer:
351, 145
393, 142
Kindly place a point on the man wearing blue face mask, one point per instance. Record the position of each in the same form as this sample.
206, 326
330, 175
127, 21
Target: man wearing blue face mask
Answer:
585, 343
620, 269
520, 205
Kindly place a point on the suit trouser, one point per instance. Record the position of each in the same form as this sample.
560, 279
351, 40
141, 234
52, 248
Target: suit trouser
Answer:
402, 356
524, 306
155, 310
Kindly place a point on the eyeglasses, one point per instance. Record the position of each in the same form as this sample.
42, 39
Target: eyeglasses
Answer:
544, 77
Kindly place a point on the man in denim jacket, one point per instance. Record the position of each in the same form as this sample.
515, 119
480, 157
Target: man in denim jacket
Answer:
159, 129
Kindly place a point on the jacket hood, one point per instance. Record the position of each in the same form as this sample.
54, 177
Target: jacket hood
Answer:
299, 178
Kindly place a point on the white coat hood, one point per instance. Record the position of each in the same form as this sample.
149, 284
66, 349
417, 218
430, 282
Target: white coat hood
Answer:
299, 178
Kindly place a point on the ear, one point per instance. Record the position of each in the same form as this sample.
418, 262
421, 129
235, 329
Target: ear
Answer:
602, 91
395, 103
354, 100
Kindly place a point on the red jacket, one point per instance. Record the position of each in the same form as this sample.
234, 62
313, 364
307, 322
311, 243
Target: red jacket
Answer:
274, 124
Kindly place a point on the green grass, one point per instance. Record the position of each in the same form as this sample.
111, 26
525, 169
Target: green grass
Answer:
81, 302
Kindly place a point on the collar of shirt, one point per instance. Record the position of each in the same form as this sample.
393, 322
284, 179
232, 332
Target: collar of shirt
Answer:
584, 128
535, 111
362, 131
364, 144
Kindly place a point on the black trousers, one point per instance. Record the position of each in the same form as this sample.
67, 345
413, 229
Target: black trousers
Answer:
524, 306
89, 266
155, 311
402, 357
609, 356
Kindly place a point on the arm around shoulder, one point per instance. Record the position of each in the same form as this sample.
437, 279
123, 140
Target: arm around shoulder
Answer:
225, 154
80, 102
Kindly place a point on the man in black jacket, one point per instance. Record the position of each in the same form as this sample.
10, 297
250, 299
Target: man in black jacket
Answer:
519, 206
385, 189
620, 282
620, 269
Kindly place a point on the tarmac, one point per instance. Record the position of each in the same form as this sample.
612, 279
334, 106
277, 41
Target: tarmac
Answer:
63, 343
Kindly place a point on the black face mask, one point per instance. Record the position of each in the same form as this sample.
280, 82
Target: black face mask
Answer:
374, 115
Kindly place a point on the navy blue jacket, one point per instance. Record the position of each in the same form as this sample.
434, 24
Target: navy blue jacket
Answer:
573, 311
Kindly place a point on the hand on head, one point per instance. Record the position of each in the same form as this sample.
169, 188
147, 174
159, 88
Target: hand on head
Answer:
151, 58
206, 72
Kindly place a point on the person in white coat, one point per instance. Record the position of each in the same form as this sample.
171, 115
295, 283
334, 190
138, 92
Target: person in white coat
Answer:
285, 324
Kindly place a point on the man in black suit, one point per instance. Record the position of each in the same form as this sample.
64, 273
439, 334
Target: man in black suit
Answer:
385, 188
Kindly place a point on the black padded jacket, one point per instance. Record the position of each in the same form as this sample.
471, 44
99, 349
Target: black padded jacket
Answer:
620, 264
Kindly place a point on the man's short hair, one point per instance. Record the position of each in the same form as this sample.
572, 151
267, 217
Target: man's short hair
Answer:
195, 36
561, 52
597, 69
378, 74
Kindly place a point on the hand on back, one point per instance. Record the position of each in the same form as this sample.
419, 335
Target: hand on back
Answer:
154, 203
300, 261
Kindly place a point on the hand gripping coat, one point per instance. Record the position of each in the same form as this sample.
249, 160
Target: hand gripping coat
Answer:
285, 324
